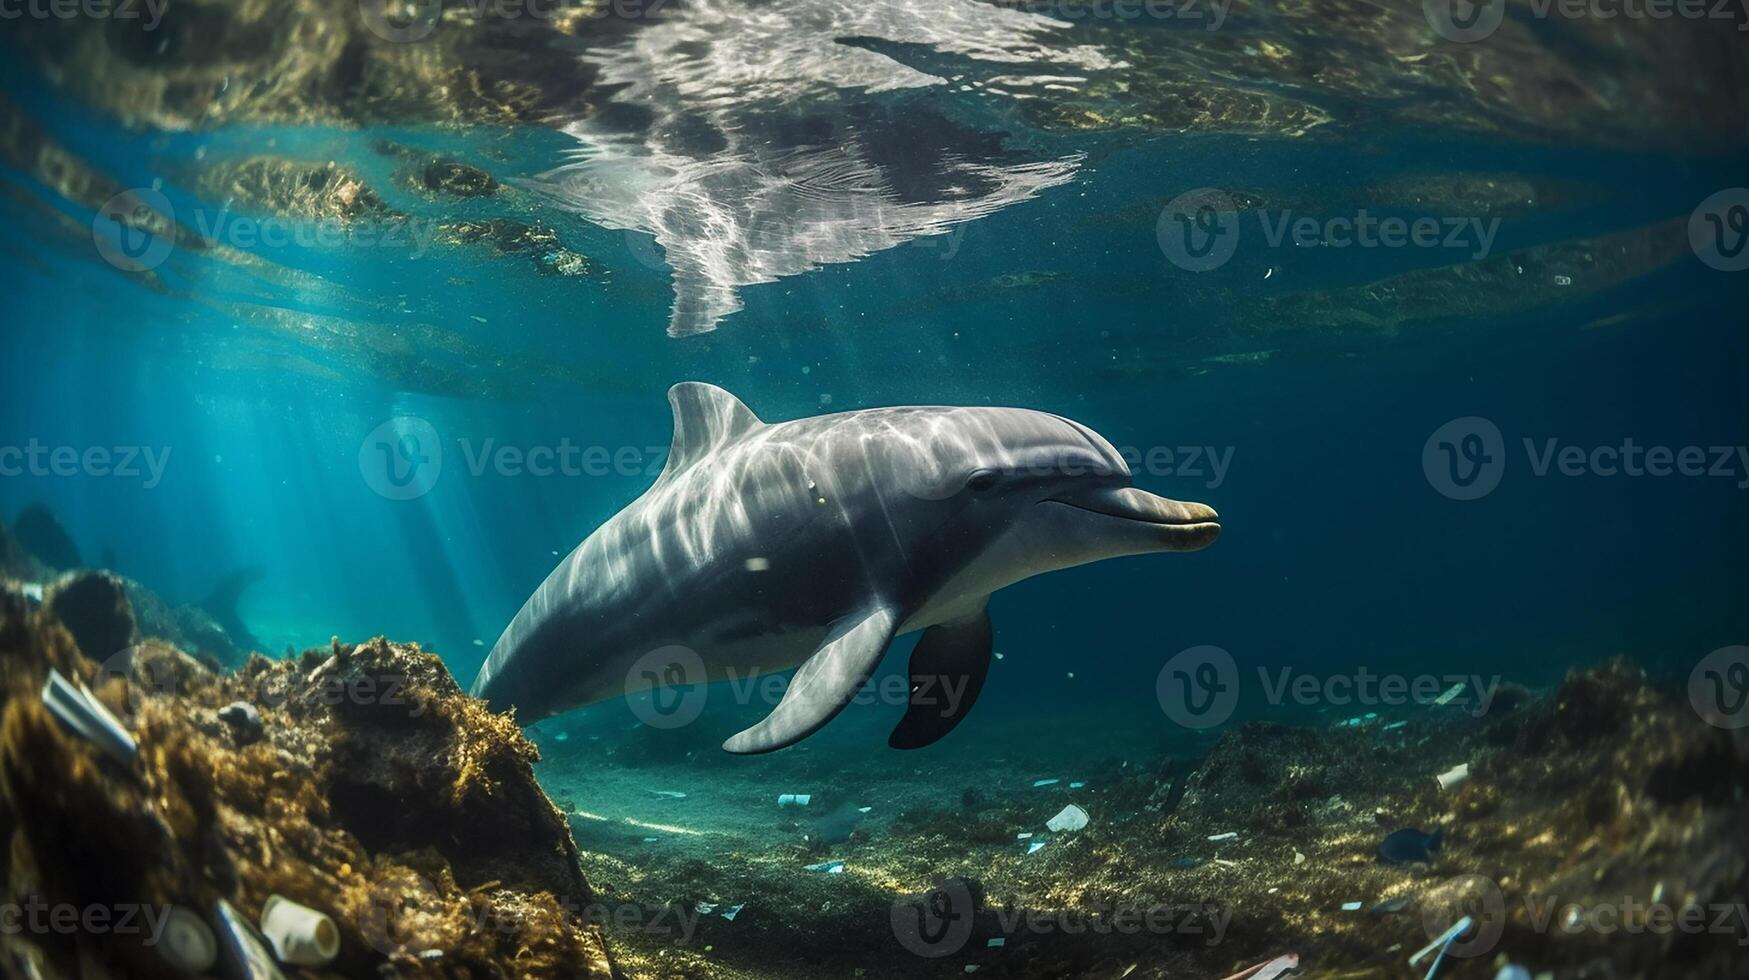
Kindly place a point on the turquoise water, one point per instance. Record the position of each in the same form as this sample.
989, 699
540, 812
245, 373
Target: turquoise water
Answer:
260, 370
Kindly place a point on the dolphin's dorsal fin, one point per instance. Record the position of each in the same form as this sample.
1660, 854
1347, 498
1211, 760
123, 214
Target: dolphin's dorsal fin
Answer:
705, 419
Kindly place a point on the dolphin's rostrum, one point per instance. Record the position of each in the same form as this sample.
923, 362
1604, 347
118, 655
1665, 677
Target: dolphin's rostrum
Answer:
816, 541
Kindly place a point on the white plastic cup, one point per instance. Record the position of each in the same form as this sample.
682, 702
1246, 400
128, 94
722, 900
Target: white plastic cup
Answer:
300, 935
1454, 776
794, 799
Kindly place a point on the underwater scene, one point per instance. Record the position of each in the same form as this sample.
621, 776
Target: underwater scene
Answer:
790, 489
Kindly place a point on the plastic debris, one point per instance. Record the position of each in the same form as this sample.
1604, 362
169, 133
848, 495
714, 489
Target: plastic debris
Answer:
733, 910
187, 943
245, 950
1000, 942
1443, 940
1035, 846
33, 593
1454, 776
1076, 785
1451, 693
829, 867
1044, 782
672, 794
1393, 726
1299, 858
794, 799
1229, 835
864, 809
1070, 817
71, 702
1392, 906
1268, 969
1351, 906
1512, 971
704, 908
1023, 835
300, 935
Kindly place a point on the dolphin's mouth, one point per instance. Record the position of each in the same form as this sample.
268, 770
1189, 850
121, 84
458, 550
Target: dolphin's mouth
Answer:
1190, 525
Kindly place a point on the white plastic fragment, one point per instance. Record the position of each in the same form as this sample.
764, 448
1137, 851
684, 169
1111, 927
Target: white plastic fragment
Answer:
1268, 970
864, 809
829, 867
733, 910
704, 908
1450, 693
1393, 726
85, 715
1351, 906
672, 794
1035, 846
1023, 835
1512, 971
1070, 817
1457, 929
300, 935
1044, 782
996, 943
1454, 776
1229, 835
794, 799
1076, 785
187, 943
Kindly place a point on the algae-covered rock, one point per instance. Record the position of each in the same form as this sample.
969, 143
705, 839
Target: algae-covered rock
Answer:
374, 792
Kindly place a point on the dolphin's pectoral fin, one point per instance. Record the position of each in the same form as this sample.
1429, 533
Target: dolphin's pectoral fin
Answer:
824, 684
947, 672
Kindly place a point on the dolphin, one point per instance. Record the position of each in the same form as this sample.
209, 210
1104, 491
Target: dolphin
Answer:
814, 542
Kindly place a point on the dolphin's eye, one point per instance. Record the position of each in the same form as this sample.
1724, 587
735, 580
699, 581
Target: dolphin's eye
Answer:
981, 481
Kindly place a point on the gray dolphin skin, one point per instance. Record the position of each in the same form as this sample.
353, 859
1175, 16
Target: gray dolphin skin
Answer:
814, 542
